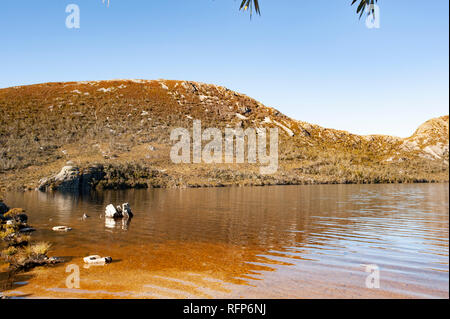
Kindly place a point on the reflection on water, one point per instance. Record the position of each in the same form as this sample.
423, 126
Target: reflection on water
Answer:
272, 242
117, 223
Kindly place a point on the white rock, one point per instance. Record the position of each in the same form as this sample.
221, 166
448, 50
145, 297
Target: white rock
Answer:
241, 117
104, 90
111, 211
96, 259
287, 130
126, 210
61, 228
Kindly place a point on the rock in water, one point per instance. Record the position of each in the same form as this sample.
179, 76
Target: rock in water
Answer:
27, 230
112, 212
21, 218
119, 212
97, 260
3, 208
61, 228
126, 210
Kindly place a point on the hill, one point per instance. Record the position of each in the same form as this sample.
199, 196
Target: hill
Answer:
121, 128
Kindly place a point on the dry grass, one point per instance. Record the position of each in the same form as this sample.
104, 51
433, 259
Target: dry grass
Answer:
37, 249
14, 212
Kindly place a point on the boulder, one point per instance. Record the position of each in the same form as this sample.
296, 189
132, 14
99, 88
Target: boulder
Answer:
15, 215
90, 177
61, 228
68, 179
3, 208
72, 179
97, 260
21, 218
27, 230
118, 212
111, 212
126, 210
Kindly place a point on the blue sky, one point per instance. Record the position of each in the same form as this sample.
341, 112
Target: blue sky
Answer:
314, 60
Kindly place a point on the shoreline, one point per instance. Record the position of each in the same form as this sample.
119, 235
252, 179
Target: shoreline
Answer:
205, 186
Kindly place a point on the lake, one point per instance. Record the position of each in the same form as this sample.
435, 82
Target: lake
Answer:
318, 241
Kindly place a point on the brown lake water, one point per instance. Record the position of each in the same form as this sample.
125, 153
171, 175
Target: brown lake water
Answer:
255, 242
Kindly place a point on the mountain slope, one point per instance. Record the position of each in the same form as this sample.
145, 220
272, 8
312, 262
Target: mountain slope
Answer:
125, 126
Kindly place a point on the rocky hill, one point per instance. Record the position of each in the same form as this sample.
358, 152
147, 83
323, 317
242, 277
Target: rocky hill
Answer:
116, 134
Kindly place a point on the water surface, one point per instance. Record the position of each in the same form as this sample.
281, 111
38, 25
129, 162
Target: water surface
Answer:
255, 242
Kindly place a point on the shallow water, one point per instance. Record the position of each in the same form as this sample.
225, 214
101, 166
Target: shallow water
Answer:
255, 242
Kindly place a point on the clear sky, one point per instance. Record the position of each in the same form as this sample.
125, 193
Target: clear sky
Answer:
314, 60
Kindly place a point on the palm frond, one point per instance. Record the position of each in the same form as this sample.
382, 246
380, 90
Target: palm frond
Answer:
250, 5
365, 6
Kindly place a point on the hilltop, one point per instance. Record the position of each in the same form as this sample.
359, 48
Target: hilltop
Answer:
123, 127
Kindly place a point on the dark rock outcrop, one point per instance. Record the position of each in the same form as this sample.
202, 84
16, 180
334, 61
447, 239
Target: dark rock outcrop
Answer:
91, 176
3, 208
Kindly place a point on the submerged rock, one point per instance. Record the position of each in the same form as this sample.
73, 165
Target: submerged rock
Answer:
27, 230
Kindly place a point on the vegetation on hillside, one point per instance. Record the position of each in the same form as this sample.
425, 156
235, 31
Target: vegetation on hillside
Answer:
125, 126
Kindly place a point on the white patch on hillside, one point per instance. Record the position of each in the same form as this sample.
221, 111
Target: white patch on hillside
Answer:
268, 120
104, 90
